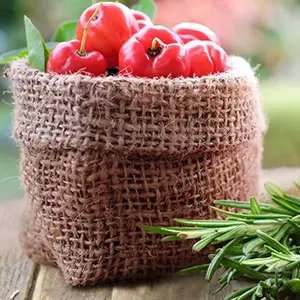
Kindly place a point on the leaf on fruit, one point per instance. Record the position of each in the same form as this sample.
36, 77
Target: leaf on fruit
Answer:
37, 49
65, 32
146, 6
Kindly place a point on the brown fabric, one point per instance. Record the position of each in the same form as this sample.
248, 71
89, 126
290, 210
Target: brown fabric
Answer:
102, 156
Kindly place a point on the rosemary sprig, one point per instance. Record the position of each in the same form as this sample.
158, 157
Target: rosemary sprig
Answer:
262, 243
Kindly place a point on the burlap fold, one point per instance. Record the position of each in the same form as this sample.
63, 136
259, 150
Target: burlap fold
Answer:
102, 156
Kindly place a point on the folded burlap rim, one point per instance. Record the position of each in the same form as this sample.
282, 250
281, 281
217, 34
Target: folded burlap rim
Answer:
135, 116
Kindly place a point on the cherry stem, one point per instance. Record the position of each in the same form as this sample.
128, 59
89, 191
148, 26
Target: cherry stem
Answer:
82, 51
155, 43
156, 47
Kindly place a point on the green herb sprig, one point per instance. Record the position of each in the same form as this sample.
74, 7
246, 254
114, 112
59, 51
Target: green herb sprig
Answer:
260, 242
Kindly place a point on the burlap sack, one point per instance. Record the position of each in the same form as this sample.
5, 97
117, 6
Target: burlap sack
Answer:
102, 156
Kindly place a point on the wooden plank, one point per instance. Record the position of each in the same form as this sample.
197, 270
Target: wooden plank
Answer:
50, 286
10, 223
16, 275
174, 288
16, 271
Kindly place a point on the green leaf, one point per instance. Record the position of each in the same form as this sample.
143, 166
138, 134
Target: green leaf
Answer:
283, 257
194, 269
294, 285
250, 216
37, 50
232, 204
231, 234
256, 243
274, 267
255, 207
293, 265
146, 6
268, 222
253, 245
46, 54
259, 261
205, 242
8, 57
296, 271
292, 199
231, 276
273, 243
157, 229
284, 203
282, 231
274, 190
217, 260
236, 250
224, 278
194, 234
170, 238
259, 291
246, 205
245, 270
267, 284
247, 294
65, 32
209, 223
297, 218
237, 293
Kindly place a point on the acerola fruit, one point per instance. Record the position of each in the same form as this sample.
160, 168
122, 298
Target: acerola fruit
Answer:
155, 51
190, 31
111, 27
65, 58
206, 58
141, 18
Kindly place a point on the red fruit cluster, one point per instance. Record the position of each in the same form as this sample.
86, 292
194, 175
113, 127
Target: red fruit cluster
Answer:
111, 36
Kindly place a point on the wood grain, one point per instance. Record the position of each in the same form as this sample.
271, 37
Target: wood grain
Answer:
16, 271
50, 286
174, 288
10, 223
16, 275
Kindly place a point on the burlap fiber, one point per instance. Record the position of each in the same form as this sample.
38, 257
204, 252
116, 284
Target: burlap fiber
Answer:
102, 156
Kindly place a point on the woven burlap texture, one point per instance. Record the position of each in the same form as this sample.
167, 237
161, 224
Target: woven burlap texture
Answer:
102, 156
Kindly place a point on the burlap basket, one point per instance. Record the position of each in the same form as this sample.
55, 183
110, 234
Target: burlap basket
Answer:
102, 156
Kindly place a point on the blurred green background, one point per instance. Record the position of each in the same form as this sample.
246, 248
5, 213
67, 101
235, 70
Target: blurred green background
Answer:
263, 31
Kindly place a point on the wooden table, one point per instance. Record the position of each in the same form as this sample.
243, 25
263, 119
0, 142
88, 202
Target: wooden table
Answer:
20, 279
